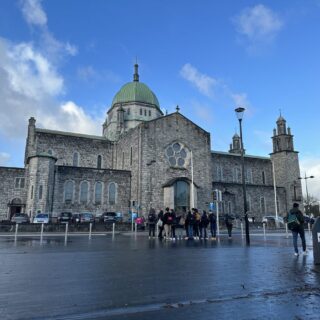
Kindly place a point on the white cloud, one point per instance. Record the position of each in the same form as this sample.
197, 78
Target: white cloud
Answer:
311, 166
4, 158
202, 82
258, 24
71, 117
33, 12
30, 85
29, 73
240, 99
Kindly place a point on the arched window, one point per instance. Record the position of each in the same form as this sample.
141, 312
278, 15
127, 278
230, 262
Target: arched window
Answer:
112, 193
98, 193
68, 192
99, 162
262, 205
181, 195
75, 161
84, 187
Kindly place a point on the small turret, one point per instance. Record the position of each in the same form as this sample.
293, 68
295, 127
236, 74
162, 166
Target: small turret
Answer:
235, 147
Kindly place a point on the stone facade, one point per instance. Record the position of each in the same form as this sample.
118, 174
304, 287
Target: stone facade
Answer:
144, 159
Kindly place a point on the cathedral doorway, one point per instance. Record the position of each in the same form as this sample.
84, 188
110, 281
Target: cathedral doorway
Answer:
15, 207
181, 196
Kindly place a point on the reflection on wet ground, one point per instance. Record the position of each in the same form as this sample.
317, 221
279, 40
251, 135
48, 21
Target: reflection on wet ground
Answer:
132, 277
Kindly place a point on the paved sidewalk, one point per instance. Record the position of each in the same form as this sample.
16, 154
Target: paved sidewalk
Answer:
132, 277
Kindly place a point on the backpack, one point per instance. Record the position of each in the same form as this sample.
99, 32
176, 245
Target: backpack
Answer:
293, 222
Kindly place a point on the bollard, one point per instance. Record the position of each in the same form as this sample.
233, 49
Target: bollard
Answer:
287, 235
316, 241
218, 226
66, 234
16, 232
264, 230
242, 234
41, 233
135, 229
113, 228
90, 230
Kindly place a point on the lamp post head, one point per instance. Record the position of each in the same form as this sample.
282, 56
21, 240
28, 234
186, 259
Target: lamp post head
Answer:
239, 112
311, 177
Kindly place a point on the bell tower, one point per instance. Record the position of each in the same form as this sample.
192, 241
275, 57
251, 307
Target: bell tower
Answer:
285, 162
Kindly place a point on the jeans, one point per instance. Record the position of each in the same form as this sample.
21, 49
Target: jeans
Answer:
213, 229
152, 228
295, 239
229, 227
190, 231
196, 229
203, 232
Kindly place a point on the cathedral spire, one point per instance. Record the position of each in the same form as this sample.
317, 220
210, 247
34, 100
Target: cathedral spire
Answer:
136, 74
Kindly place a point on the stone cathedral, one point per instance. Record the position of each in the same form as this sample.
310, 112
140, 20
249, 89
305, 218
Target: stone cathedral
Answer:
146, 159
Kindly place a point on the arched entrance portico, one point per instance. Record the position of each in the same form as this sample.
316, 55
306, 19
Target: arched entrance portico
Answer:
15, 206
177, 194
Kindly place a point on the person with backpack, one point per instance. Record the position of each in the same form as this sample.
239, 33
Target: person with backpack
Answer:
229, 224
204, 222
160, 224
196, 226
295, 221
179, 225
213, 225
152, 219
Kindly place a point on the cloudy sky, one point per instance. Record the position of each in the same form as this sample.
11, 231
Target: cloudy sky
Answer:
63, 61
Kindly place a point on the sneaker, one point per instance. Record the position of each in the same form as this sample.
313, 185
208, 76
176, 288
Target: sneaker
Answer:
296, 254
214, 238
149, 237
206, 238
229, 237
305, 253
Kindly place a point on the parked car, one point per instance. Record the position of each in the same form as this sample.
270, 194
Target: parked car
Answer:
109, 217
20, 218
75, 218
86, 217
42, 218
64, 217
273, 221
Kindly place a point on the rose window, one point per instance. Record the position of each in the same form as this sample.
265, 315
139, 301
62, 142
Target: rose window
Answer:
177, 154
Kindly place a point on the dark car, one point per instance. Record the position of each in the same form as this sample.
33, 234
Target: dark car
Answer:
86, 217
109, 217
64, 217
20, 218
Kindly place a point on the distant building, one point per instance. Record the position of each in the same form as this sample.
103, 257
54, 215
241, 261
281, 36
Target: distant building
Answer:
144, 159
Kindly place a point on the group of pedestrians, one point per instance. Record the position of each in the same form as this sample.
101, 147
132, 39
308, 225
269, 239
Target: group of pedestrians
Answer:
191, 225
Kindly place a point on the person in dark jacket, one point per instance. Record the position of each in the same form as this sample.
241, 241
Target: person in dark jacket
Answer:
190, 220
152, 219
229, 224
297, 228
204, 222
168, 221
213, 225
173, 225
160, 218
196, 225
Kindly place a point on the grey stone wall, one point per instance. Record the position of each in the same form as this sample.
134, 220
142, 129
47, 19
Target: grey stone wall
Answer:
256, 187
77, 175
63, 146
8, 190
151, 169
287, 171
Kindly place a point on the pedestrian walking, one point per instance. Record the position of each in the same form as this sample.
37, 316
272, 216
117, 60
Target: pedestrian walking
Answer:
160, 224
229, 224
213, 225
295, 222
204, 222
152, 219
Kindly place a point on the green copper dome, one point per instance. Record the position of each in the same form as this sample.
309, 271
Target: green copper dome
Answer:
135, 92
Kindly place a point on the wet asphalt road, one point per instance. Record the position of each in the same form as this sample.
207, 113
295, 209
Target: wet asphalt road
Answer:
135, 278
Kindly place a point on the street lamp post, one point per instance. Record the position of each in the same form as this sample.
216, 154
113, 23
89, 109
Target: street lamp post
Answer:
307, 194
239, 112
